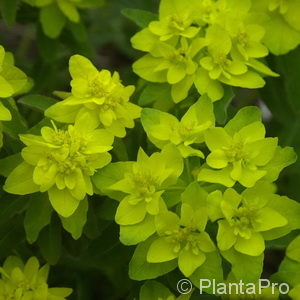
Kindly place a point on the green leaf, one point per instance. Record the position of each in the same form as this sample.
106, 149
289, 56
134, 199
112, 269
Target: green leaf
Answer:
37, 216
7, 164
211, 269
50, 241
36, 129
63, 202
243, 117
75, 223
159, 126
134, 234
244, 267
140, 269
11, 235
11, 205
154, 290
20, 180
155, 93
293, 250
9, 11
221, 106
288, 272
53, 20
290, 210
37, 102
283, 157
173, 197
288, 66
140, 17
18, 124
283, 242
109, 175
119, 149
144, 68
280, 37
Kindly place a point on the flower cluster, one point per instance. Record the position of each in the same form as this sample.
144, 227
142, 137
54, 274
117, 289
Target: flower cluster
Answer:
98, 94
62, 159
200, 197
205, 43
54, 14
13, 82
244, 218
29, 281
281, 20
174, 213
183, 238
142, 185
61, 162
163, 128
239, 151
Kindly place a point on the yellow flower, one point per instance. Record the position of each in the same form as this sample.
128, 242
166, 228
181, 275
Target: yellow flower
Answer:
99, 94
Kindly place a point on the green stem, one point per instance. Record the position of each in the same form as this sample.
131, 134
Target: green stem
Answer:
25, 42
188, 170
